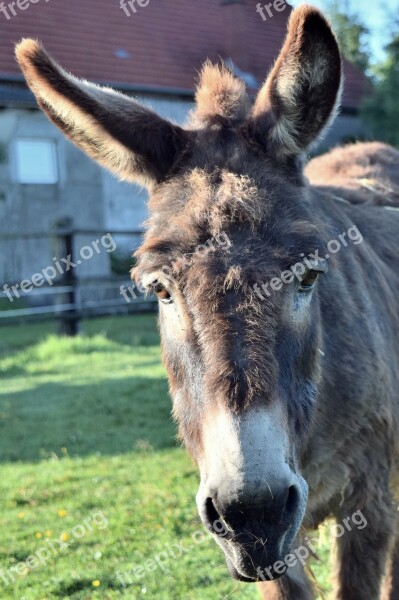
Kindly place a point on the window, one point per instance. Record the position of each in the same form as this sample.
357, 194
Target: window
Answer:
36, 161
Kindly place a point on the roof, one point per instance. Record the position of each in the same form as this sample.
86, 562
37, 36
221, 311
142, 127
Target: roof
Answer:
160, 47
11, 95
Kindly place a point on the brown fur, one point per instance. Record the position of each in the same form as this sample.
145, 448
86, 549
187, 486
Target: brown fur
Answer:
305, 77
366, 176
238, 173
82, 109
220, 96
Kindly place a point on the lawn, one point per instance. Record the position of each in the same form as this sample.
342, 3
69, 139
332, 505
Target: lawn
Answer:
97, 499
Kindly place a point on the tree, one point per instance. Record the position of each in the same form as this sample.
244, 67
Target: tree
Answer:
351, 32
381, 109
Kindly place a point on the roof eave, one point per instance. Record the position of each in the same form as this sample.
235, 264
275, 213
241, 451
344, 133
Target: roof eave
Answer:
183, 93
126, 87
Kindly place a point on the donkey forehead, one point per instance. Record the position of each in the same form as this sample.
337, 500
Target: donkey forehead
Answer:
202, 217
209, 198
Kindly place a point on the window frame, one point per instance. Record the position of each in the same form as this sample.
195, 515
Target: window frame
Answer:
22, 179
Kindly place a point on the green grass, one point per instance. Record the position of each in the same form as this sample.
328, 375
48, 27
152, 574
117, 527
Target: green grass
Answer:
88, 456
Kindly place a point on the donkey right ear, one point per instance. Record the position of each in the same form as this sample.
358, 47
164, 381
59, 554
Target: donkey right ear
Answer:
120, 134
301, 94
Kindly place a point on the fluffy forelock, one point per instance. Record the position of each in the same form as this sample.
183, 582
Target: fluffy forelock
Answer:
220, 96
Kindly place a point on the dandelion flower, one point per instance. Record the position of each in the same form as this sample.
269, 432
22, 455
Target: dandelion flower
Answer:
96, 583
62, 512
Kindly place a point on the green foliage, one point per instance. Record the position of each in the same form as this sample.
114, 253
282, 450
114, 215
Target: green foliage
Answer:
121, 264
3, 153
381, 109
352, 34
17, 303
85, 427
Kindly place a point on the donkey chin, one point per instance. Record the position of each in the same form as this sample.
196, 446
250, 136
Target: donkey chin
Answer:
251, 498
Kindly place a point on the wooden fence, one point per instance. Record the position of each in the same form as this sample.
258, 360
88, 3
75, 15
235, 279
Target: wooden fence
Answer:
63, 295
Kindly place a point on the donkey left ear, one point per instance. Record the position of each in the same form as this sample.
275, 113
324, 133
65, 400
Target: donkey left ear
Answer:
301, 94
119, 133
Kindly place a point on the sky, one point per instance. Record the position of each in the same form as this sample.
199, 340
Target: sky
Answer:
374, 14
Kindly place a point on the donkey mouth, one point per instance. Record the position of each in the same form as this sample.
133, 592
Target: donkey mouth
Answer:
260, 561
260, 551
259, 547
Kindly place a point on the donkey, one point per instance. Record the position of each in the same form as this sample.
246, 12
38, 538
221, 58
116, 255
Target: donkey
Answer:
285, 387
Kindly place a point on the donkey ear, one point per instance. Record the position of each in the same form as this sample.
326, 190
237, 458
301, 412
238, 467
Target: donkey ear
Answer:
301, 94
123, 136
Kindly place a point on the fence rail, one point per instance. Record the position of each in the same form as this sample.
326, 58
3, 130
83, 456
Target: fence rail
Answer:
62, 298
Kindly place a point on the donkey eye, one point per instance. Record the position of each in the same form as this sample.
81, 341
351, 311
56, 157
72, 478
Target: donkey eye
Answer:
309, 281
162, 293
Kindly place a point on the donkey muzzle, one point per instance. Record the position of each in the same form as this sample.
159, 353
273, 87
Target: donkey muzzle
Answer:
250, 497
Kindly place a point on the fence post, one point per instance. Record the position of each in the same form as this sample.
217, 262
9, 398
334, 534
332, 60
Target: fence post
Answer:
69, 319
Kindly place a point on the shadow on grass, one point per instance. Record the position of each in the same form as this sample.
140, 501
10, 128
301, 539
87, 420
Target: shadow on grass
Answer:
109, 418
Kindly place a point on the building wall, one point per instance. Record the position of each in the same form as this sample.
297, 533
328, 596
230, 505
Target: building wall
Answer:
85, 195
27, 208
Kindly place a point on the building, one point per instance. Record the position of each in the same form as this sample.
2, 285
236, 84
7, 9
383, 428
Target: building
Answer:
151, 49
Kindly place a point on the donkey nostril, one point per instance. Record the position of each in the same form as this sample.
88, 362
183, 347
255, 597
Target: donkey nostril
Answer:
211, 513
213, 519
293, 499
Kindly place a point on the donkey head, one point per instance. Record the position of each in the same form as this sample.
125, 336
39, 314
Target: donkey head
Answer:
229, 211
